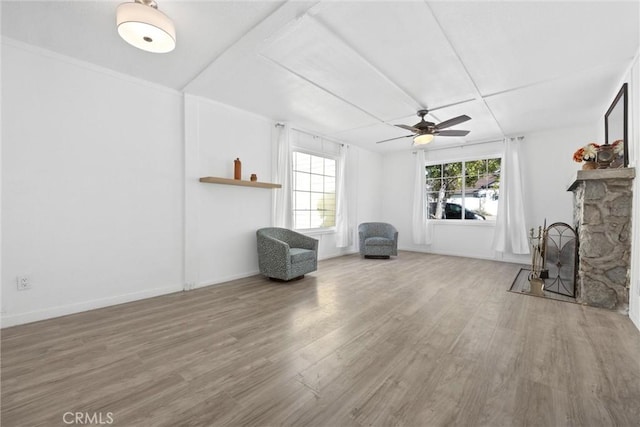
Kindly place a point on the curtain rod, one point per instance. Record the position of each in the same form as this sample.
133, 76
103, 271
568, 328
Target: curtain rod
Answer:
333, 141
519, 138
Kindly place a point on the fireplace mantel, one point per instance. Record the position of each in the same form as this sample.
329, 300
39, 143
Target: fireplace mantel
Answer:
600, 174
602, 218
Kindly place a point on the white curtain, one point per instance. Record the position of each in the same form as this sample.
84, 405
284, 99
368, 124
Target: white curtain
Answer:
421, 227
282, 206
511, 231
342, 212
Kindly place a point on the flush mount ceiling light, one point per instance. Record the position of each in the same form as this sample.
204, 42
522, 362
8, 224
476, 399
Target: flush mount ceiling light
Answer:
423, 139
142, 25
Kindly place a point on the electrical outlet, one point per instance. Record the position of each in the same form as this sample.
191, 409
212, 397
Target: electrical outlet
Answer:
23, 282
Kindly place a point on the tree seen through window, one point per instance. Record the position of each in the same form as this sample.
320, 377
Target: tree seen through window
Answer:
463, 190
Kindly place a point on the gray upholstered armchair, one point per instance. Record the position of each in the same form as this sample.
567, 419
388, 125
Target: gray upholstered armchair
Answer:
378, 239
284, 254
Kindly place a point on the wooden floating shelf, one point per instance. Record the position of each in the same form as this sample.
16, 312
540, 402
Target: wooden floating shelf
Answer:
226, 181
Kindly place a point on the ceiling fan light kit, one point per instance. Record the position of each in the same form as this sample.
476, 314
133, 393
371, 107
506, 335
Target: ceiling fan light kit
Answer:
423, 139
424, 131
142, 25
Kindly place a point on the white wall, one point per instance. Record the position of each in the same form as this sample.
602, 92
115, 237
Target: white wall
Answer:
364, 178
101, 198
102, 204
91, 181
368, 182
633, 78
397, 195
363, 187
547, 170
222, 220
465, 238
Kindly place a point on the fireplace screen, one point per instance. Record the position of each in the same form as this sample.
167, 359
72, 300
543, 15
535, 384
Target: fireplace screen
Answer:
561, 255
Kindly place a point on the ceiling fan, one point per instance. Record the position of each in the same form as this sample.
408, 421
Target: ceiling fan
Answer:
424, 131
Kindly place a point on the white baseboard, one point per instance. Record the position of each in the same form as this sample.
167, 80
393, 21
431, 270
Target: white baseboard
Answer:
34, 316
347, 251
64, 310
445, 253
635, 321
514, 259
225, 279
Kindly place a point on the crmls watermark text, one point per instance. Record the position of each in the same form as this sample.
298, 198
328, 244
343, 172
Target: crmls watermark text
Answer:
82, 418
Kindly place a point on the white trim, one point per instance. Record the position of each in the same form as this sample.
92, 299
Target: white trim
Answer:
224, 280
210, 101
445, 253
333, 255
336, 159
463, 145
464, 186
317, 231
462, 255
86, 65
326, 138
191, 198
64, 310
305, 150
464, 222
468, 158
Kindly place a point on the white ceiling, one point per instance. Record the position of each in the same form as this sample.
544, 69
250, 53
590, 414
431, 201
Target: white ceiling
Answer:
351, 70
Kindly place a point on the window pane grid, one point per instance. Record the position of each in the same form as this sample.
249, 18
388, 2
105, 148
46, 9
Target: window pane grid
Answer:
467, 190
314, 191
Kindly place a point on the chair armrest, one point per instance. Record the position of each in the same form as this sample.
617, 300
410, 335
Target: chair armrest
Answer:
361, 238
313, 244
391, 233
298, 240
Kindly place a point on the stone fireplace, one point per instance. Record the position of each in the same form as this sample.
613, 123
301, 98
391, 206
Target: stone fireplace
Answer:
602, 218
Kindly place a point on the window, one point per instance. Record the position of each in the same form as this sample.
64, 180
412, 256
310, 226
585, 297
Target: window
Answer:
467, 190
314, 191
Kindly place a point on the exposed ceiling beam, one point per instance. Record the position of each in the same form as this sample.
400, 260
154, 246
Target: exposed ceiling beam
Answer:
322, 88
280, 8
417, 105
464, 66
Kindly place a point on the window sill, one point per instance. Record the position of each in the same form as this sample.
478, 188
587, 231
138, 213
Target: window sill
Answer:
466, 223
316, 231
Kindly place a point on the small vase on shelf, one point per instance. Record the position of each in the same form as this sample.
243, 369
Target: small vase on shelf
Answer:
237, 169
589, 164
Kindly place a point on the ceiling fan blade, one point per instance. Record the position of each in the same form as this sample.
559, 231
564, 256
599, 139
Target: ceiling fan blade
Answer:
453, 122
410, 128
453, 132
391, 139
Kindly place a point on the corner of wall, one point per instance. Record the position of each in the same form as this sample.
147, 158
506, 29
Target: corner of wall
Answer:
633, 78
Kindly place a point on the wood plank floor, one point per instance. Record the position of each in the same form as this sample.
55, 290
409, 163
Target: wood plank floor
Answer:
418, 340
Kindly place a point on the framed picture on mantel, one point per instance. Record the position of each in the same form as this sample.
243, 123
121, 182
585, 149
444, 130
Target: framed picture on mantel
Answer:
615, 128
